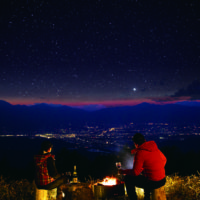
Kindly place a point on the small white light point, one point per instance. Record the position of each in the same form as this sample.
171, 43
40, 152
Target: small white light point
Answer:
134, 89
63, 194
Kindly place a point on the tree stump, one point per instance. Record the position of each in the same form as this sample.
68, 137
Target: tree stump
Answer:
45, 194
159, 194
41, 194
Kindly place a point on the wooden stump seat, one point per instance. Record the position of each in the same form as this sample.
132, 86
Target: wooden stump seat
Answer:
41, 194
159, 194
46, 194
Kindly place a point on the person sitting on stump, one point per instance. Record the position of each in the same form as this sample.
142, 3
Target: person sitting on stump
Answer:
148, 168
46, 175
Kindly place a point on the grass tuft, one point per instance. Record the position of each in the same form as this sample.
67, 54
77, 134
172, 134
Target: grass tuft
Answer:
176, 188
187, 188
16, 189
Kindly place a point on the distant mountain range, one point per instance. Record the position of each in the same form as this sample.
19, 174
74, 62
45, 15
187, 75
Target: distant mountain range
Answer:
47, 117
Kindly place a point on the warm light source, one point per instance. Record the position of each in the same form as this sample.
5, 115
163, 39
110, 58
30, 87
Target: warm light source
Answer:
63, 194
109, 181
140, 192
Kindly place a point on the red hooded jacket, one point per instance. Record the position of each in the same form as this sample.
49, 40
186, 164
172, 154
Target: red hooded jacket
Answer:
150, 161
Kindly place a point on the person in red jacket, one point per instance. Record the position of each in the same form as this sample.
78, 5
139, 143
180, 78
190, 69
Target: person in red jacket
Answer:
46, 175
148, 168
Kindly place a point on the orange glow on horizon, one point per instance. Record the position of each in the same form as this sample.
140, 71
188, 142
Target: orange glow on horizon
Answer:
106, 103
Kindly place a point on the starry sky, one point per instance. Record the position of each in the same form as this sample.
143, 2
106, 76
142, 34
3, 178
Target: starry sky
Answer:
99, 52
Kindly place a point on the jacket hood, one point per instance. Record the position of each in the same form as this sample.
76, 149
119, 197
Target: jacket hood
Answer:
148, 146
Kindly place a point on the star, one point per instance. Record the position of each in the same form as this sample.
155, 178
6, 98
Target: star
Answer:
92, 53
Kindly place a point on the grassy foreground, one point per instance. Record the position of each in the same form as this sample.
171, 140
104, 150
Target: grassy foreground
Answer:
18, 189
177, 188
187, 188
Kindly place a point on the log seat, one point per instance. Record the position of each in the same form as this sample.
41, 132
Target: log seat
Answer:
159, 194
45, 194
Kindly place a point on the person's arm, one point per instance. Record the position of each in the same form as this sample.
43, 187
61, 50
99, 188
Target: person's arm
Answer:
52, 168
126, 171
138, 164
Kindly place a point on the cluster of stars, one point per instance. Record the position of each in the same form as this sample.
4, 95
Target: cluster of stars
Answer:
91, 51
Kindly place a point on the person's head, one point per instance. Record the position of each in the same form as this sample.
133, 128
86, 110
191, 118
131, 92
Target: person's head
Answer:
46, 146
138, 139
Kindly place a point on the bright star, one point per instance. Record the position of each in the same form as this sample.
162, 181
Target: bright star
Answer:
134, 89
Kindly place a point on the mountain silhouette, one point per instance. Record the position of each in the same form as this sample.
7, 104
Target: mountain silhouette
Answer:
47, 117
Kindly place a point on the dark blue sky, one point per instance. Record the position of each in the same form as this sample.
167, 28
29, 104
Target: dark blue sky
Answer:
110, 52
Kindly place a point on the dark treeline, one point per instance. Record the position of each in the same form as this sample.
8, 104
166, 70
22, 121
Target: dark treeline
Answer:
16, 160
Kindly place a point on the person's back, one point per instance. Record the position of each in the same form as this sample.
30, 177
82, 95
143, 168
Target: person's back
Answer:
46, 175
42, 174
151, 160
148, 168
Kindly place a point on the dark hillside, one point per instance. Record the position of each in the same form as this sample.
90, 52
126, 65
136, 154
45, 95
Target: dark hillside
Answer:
47, 117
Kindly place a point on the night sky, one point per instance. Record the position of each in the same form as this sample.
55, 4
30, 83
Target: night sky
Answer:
105, 52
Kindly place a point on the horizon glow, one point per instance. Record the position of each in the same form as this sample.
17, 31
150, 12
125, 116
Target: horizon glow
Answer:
101, 104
